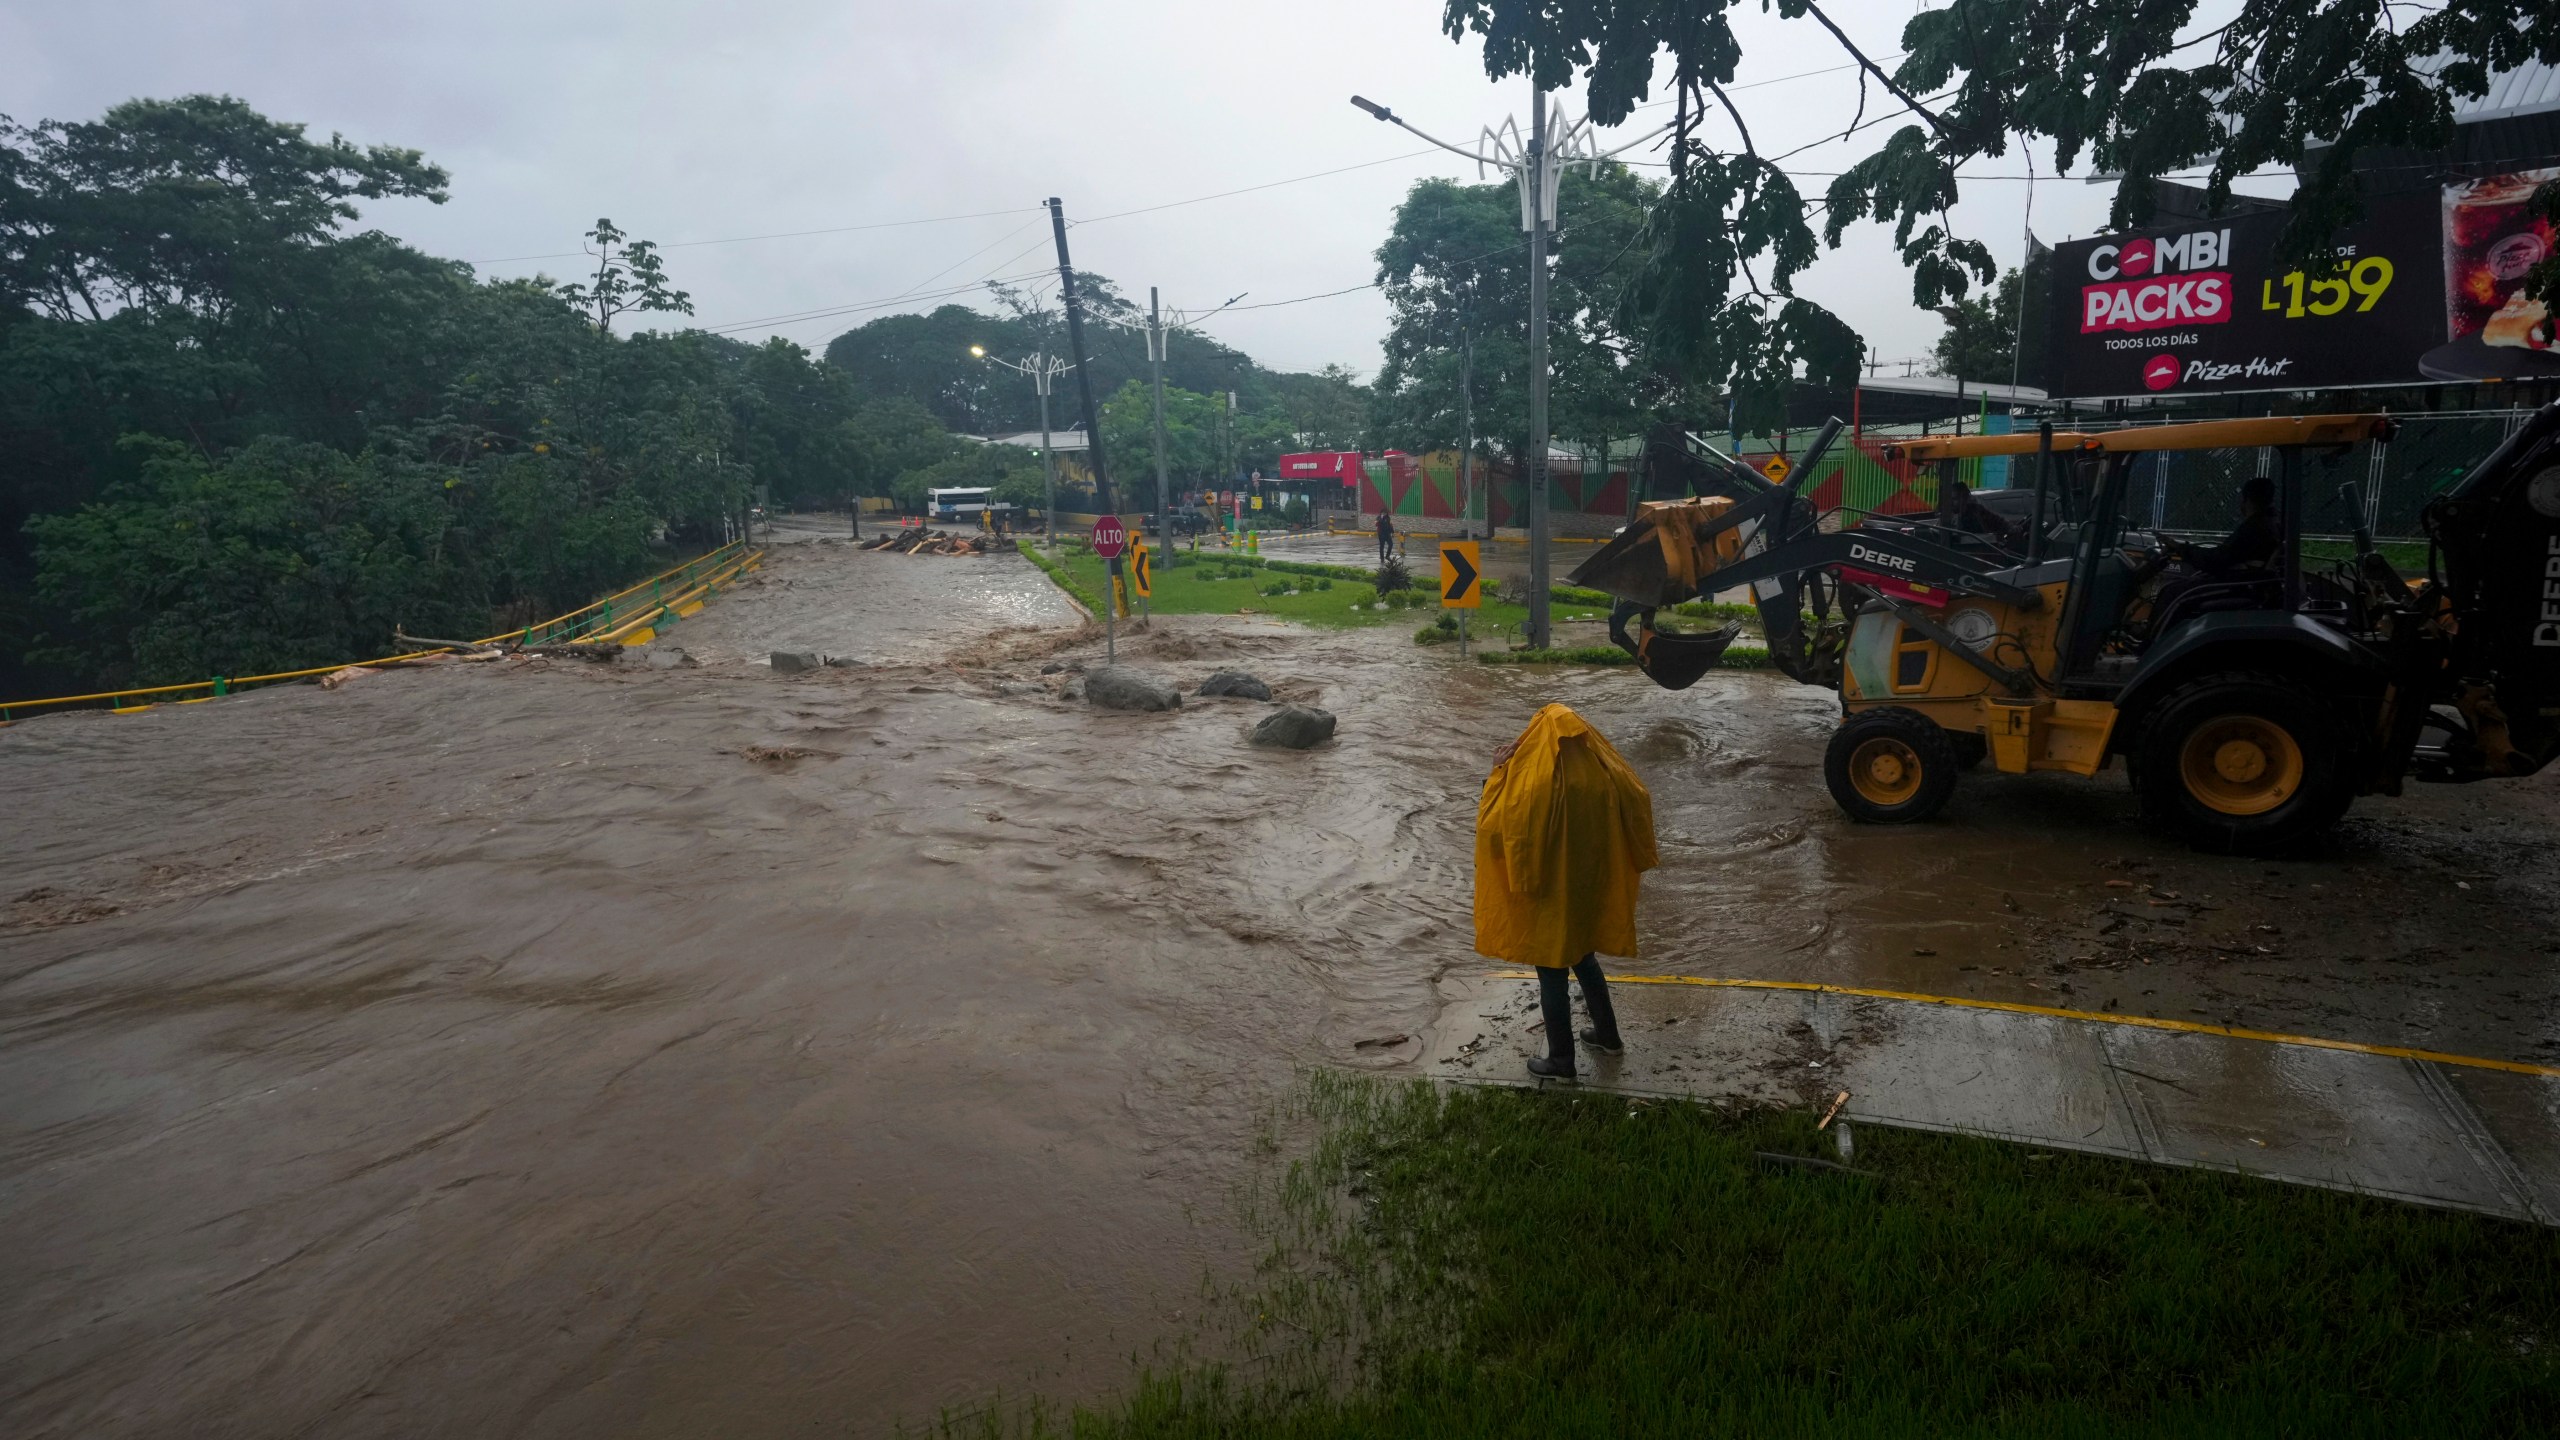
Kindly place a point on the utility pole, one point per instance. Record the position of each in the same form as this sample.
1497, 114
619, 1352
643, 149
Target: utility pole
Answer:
1155, 364
1537, 169
1541, 181
1084, 375
1044, 371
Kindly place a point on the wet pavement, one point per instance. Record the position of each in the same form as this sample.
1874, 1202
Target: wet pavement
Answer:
2440, 1131
546, 1048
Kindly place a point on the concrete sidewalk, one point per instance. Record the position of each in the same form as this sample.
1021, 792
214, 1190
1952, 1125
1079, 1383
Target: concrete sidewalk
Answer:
2429, 1131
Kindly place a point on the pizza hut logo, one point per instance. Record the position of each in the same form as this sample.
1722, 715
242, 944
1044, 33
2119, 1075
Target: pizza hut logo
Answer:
2160, 372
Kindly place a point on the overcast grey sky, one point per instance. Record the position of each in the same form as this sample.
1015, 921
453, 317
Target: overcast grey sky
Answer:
698, 122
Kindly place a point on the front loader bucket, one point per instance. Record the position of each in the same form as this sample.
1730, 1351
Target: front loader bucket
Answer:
1667, 555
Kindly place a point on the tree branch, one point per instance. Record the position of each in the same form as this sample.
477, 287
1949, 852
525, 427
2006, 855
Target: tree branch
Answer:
1747, 147
1872, 68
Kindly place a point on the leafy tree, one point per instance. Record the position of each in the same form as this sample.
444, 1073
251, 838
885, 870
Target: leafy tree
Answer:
1013, 474
237, 433
629, 276
892, 438
925, 358
174, 206
1984, 332
1455, 269
2124, 85
254, 563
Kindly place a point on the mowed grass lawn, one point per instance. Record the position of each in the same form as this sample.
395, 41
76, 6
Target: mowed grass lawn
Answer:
1476, 1261
1210, 583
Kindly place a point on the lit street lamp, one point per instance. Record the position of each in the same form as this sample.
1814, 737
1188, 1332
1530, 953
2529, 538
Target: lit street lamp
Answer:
1044, 370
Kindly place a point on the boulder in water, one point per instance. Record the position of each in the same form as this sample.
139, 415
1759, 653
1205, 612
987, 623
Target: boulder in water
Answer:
1298, 727
1117, 687
792, 662
1236, 683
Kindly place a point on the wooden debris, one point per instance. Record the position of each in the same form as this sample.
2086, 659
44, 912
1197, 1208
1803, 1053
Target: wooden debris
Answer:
1836, 1102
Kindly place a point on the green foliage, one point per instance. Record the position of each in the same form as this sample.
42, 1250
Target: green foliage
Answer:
1456, 276
1983, 332
1199, 434
1392, 575
1483, 1260
1067, 579
629, 276
926, 359
2127, 87
241, 435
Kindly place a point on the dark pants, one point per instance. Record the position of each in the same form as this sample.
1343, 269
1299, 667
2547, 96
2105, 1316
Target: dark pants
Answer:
1386, 548
1555, 1001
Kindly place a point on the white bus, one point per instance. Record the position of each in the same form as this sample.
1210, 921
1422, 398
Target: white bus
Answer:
963, 503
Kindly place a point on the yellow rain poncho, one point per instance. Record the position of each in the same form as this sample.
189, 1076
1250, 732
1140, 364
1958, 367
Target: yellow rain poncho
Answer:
1563, 831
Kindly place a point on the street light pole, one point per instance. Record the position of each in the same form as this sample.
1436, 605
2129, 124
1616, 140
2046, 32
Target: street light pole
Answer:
1044, 371
1155, 364
1467, 456
1538, 634
1537, 168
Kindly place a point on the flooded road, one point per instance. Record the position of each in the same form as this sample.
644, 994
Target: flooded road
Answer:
540, 1048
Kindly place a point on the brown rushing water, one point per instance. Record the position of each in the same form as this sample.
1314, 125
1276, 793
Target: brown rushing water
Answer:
502, 1049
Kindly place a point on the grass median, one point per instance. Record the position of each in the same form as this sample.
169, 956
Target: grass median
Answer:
1476, 1261
1341, 596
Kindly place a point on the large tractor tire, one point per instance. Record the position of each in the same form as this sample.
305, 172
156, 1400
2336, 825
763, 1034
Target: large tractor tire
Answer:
1890, 766
2242, 763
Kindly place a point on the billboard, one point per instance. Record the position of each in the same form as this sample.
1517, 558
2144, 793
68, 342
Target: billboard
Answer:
2430, 288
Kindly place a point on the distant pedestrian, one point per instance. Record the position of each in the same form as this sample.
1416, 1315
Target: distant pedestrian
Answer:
1564, 834
1386, 538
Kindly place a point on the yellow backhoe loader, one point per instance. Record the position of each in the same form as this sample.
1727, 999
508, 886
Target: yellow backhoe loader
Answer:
2252, 705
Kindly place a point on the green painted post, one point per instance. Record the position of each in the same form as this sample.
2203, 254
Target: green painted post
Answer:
221, 686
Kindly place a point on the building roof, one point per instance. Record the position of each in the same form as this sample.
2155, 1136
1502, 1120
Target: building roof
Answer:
1062, 441
1951, 388
2528, 89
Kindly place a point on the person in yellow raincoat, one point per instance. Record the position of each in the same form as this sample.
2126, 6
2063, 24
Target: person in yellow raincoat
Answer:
1564, 831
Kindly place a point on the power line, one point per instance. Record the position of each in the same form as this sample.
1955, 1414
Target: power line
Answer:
1249, 189
778, 235
831, 311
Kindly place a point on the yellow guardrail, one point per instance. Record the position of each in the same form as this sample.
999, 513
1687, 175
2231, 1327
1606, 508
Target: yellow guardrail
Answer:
642, 609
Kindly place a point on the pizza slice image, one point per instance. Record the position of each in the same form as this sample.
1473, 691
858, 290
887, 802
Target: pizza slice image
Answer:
2521, 323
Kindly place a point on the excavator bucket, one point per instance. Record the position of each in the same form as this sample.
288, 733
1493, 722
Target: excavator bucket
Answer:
1673, 662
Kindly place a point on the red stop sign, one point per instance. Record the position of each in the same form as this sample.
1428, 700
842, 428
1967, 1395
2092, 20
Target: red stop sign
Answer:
1110, 537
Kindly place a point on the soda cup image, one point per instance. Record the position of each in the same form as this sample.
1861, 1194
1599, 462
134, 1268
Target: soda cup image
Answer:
2490, 244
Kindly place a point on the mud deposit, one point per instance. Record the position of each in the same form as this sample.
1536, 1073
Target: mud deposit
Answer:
552, 1049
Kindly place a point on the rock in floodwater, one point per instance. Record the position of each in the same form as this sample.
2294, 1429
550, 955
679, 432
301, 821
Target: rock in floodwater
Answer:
1117, 687
665, 657
1236, 683
1299, 727
792, 662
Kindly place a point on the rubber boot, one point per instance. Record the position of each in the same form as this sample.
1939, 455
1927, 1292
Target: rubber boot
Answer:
1603, 1034
1555, 1004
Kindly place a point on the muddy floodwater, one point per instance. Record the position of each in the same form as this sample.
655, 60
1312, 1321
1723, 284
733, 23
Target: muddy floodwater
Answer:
547, 1048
